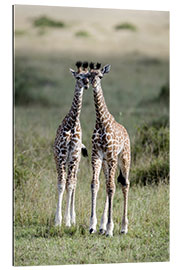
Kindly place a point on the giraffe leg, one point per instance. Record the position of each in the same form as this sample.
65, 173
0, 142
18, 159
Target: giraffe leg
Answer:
61, 188
104, 215
124, 162
72, 211
124, 228
70, 187
68, 206
110, 188
74, 159
96, 163
104, 219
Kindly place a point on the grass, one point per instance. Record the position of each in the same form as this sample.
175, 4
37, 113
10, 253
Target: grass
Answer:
146, 241
42, 78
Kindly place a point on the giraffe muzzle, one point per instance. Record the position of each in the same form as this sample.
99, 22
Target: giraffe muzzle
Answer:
86, 87
86, 83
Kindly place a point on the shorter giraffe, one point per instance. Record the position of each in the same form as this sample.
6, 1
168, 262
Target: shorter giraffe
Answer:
68, 146
110, 147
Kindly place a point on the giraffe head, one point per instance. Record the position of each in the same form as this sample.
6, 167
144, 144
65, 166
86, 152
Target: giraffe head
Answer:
81, 75
97, 73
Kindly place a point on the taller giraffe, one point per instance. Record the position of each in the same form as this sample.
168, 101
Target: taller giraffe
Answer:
110, 147
67, 148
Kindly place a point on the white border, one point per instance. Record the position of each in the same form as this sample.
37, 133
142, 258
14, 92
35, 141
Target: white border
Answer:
6, 124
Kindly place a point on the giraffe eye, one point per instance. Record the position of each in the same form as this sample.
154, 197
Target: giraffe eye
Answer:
78, 78
100, 77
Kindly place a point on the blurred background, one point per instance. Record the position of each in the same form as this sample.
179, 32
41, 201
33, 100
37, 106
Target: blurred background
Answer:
47, 42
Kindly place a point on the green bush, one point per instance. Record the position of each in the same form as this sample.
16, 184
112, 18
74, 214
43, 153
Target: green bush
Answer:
152, 140
82, 33
44, 21
164, 93
150, 153
19, 32
154, 172
27, 82
126, 26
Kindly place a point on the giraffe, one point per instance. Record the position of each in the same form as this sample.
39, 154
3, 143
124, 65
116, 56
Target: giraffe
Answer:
110, 148
68, 146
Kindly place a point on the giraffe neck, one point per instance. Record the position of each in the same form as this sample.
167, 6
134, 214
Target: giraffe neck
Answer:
102, 113
75, 110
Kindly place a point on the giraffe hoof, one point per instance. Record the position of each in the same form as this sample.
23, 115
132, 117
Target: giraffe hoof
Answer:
109, 235
123, 231
102, 231
91, 231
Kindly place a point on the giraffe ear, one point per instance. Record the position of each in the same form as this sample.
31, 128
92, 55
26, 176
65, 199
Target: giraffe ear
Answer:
106, 69
73, 72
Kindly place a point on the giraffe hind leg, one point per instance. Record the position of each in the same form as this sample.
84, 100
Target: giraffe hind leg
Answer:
103, 226
123, 178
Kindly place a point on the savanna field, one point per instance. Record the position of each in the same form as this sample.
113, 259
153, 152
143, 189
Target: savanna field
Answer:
137, 94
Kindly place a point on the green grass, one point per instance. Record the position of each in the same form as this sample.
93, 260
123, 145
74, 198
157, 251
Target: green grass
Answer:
146, 241
44, 91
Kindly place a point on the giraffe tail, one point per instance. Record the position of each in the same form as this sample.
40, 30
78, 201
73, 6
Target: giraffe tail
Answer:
121, 179
84, 150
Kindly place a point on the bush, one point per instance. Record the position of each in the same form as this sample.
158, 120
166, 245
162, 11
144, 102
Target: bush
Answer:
47, 22
125, 26
164, 93
151, 140
27, 82
82, 33
156, 171
150, 153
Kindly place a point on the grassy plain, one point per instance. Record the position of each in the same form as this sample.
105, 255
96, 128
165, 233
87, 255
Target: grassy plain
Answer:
43, 95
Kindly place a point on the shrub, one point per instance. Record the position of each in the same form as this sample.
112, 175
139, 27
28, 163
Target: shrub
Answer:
154, 172
152, 140
150, 153
125, 26
82, 33
44, 21
164, 93
19, 32
26, 79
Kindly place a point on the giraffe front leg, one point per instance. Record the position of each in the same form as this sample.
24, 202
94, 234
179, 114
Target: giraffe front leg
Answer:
104, 219
70, 186
96, 163
68, 206
72, 212
61, 188
110, 189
